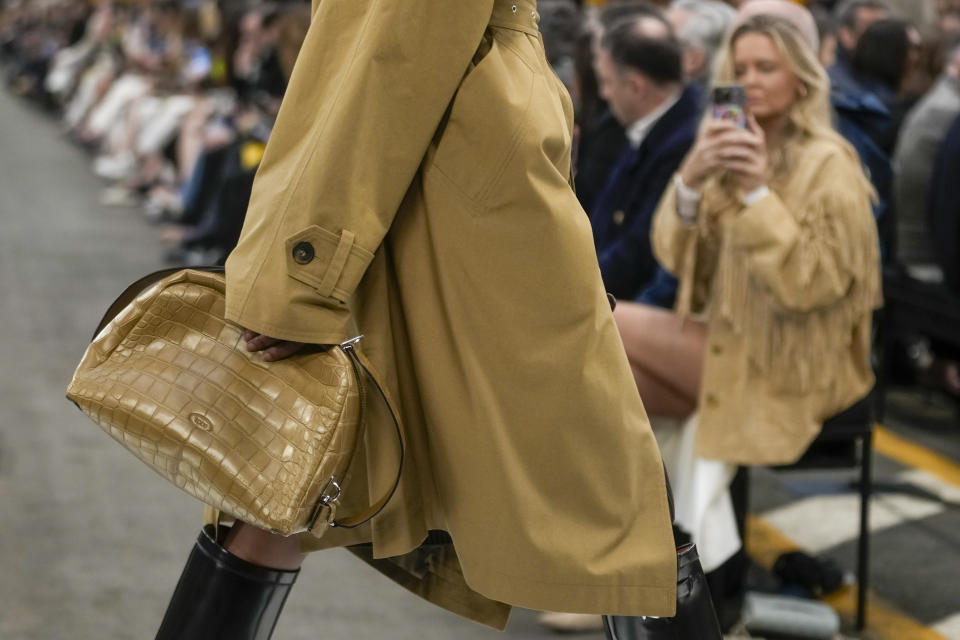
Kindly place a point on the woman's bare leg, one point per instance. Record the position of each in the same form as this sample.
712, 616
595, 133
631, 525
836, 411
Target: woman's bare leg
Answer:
264, 548
665, 354
660, 399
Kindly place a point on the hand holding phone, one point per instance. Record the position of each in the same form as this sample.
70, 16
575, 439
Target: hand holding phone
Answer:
726, 142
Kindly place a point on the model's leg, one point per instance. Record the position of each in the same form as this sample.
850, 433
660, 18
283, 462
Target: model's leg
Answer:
264, 548
232, 591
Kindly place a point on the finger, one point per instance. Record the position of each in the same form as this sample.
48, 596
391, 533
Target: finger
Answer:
719, 124
743, 168
739, 137
261, 342
736, 152
716, 127
283, 349
754, 128
249, 335
713, 159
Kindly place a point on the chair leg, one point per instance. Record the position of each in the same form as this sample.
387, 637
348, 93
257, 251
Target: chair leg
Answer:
863, 551
884, 353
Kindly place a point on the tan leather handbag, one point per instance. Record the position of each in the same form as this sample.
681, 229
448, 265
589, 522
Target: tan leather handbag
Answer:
269, 443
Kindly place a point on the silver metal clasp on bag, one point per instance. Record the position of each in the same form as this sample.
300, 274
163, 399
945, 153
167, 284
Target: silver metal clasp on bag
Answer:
351, 343
329, 499
331, 492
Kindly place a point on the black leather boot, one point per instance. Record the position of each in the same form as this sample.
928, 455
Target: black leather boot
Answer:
221, 597
695, 618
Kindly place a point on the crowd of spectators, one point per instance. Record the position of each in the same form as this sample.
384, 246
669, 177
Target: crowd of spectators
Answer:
173, 100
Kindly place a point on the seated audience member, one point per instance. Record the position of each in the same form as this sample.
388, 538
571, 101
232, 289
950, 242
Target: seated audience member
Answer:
639, 68
869, 124
880, 64
917, 149
769, 231
853, 18
939, 363
600, 137
700, 26
944, 209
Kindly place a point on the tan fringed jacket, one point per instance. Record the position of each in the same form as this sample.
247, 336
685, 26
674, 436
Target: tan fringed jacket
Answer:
786, 287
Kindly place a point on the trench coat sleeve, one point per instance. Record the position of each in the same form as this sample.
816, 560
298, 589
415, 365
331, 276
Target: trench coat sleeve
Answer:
809, 259
369, 89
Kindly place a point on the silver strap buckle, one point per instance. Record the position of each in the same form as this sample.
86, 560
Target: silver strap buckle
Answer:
329, 500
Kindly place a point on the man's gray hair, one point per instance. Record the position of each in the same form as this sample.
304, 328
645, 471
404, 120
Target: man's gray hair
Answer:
706, 27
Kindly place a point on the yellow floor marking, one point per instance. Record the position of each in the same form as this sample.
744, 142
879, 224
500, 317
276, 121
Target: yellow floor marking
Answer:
765, 543
914, 455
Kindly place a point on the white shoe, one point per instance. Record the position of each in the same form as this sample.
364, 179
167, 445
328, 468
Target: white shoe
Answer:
571, 622
116, 167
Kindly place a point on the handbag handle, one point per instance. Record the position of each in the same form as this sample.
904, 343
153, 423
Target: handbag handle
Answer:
330, 497
361, 366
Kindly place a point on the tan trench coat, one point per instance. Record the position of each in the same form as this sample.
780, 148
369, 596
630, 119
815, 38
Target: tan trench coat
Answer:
787, 287
454, 242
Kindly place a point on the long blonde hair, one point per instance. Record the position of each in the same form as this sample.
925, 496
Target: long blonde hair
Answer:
810, 115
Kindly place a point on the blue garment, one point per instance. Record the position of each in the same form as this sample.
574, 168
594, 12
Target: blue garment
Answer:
662, 290
624, 209
601, 142
842, 80
865, 121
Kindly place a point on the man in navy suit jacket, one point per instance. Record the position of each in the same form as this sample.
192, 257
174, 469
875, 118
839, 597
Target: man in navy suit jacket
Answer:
639, 67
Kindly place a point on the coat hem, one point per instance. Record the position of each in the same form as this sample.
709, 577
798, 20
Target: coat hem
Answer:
601, 599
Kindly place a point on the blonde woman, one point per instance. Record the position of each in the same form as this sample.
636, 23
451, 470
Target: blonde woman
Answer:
770, 234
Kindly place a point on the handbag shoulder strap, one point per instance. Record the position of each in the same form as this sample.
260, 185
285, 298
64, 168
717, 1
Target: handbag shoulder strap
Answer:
329, 499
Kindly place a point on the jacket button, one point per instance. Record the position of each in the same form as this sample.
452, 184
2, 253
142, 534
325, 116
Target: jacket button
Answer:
303, 252
619, 217
711, 400
716, 349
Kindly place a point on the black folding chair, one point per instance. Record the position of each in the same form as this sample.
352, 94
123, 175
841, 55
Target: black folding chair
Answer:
845, 442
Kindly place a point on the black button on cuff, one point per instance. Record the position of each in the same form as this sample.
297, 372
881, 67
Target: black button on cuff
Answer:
303, 252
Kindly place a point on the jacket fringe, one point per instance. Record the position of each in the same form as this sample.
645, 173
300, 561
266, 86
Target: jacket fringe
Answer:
794, 349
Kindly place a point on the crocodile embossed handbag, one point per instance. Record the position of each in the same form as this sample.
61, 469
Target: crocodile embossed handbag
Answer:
266, 442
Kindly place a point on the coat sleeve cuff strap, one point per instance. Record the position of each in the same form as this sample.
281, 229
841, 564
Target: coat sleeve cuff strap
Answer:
333, 264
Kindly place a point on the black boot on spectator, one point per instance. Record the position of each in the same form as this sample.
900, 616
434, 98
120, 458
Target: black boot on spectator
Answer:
695, 618
222, 597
